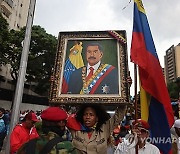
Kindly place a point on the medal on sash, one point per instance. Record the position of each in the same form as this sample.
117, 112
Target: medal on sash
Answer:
88, 85
85, 90
105, 89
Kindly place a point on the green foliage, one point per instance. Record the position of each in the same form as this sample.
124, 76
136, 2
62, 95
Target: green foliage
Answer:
4, 38
41, 59
173, 90
14, 53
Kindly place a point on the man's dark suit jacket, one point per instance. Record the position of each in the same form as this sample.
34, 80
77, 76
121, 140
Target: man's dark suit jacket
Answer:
111, 81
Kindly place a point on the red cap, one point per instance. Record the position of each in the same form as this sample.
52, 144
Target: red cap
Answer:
31, 116
141, 123
127, 126
116, 131
54, 114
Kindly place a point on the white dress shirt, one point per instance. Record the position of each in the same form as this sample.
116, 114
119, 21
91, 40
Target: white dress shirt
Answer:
95, 67
178, 145
127, 148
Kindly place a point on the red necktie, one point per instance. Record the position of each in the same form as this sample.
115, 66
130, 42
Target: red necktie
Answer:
90, 73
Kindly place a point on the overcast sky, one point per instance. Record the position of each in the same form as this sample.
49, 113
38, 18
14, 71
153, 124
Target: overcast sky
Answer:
89, 15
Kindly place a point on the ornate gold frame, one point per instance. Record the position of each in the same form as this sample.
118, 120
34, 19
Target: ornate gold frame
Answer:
55, 95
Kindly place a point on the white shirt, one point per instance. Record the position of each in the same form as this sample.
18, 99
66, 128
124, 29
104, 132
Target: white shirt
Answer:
178, 145
95, 67
127, 148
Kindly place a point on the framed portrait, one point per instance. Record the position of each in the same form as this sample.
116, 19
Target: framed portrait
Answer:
90, 67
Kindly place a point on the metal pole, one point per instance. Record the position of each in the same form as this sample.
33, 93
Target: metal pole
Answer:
179, 105
135, 101
135, 92
22, 72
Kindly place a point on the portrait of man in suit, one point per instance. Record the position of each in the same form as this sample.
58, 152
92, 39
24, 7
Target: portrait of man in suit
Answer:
95, 77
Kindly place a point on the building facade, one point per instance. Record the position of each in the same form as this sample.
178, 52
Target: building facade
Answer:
172, 63
15, 12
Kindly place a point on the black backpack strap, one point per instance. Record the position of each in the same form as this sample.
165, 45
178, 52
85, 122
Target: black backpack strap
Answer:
49, 145
30, 146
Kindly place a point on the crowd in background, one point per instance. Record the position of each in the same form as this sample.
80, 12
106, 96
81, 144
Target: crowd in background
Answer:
118, 135
4, 125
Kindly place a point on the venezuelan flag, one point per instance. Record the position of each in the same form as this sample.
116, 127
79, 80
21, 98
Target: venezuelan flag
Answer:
155, 107
74, 61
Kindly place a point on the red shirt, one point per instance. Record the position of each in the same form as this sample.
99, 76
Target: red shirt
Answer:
21, 135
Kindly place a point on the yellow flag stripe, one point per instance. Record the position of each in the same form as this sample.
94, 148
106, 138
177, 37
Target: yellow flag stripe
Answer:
140, 6
144, 101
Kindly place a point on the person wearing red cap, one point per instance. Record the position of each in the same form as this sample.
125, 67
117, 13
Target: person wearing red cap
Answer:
54, 119
23, 132
177, 130
138, 138
55, 136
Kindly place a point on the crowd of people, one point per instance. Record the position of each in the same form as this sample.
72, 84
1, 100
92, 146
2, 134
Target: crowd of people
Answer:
87, 129
4, 125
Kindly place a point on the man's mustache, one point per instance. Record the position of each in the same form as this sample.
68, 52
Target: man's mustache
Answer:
92, 57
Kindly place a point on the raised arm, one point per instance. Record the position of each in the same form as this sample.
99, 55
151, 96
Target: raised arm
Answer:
115, 119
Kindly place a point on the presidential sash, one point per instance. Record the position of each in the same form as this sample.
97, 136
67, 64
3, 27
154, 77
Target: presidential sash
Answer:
90, 86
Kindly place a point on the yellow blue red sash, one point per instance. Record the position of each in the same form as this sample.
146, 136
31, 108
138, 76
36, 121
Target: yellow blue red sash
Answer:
90, 86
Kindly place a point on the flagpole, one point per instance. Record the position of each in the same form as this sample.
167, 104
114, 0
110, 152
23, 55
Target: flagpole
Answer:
22, 72
135, 98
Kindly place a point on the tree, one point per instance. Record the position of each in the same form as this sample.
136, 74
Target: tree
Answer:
13, 54
40, 60
173, 90
4, 37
